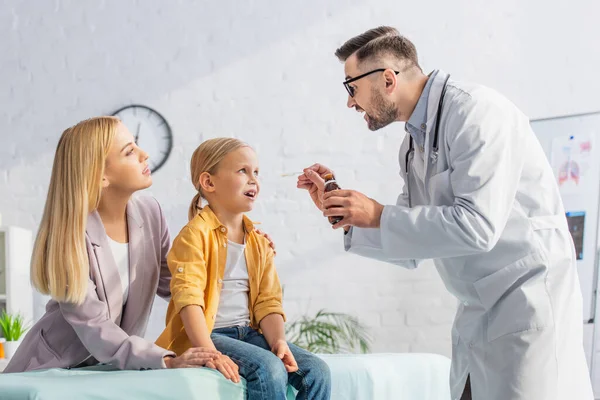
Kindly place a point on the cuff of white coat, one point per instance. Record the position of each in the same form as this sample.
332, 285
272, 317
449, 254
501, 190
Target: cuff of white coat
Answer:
390, 239
363, 241
348, 239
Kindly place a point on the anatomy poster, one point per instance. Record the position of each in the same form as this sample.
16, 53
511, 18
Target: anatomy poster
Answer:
572, 158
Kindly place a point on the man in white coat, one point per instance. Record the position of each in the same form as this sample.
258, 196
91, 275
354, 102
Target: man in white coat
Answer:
479, 198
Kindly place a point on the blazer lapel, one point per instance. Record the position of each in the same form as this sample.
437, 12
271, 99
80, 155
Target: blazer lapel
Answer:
136, 268
111, 282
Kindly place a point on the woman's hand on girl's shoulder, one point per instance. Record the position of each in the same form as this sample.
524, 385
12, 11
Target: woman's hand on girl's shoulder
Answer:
268, 238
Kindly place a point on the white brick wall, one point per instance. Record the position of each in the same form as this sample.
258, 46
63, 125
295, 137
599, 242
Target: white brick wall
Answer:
265, 72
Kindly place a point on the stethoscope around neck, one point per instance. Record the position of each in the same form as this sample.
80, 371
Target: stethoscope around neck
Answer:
434, 148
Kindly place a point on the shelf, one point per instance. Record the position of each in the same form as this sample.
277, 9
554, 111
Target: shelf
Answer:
16, 293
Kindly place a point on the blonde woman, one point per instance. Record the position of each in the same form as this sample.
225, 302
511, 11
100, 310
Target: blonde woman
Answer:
101, 255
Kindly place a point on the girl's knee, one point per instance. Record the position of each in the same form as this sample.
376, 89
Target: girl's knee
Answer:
323, 368
266, 378
269, 369
319, 370
275, 371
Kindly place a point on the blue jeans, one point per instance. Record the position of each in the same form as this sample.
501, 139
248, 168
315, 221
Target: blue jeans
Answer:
265, 374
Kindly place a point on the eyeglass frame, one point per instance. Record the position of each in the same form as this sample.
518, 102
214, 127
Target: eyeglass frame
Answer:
350, 89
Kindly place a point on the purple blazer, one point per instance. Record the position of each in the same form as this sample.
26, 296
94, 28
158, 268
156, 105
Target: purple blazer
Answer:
102, 329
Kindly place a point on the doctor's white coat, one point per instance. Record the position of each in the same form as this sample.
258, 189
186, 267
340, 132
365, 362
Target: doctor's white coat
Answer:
489, 213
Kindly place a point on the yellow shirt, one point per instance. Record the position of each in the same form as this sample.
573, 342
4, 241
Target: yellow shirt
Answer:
197, 264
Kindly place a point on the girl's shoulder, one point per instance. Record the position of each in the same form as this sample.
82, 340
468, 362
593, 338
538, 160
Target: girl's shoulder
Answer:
259, 243
197, 229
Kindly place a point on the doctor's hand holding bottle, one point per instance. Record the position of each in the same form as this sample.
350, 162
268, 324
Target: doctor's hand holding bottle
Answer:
354, 208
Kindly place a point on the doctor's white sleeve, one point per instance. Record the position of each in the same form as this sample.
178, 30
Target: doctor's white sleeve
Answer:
487, 142
367, 242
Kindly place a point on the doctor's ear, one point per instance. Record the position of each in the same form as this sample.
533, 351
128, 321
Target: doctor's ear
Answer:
391, 81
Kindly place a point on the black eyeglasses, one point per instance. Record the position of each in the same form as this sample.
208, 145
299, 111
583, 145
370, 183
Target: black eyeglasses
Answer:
350, 89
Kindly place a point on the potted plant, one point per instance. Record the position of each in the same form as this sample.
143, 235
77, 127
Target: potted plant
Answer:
329, 333
12, 328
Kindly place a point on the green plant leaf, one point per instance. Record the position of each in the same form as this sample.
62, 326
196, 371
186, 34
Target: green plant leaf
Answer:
329, 332
12, 326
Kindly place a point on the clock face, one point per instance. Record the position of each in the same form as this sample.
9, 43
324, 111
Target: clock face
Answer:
151, 131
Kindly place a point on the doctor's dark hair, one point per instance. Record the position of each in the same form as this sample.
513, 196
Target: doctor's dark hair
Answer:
377, 42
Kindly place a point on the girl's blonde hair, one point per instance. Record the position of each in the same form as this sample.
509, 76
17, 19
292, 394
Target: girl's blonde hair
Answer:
206, 158
60, 264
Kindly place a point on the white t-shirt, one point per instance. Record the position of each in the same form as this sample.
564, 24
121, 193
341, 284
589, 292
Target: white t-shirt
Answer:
120, 253
233, 303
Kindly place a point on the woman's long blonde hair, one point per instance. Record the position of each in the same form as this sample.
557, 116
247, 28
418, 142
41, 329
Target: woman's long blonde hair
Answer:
60, 264
206, 158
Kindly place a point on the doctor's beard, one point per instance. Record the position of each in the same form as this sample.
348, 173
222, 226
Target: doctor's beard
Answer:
385, 111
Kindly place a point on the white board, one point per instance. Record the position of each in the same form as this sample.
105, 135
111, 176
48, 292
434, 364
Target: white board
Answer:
572, 145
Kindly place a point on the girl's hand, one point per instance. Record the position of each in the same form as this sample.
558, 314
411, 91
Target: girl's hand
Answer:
282, 350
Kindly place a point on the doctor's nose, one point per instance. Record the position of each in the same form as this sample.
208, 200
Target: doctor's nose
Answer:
350, 103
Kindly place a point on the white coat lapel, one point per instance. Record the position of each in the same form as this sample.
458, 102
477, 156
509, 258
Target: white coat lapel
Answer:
432, 107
